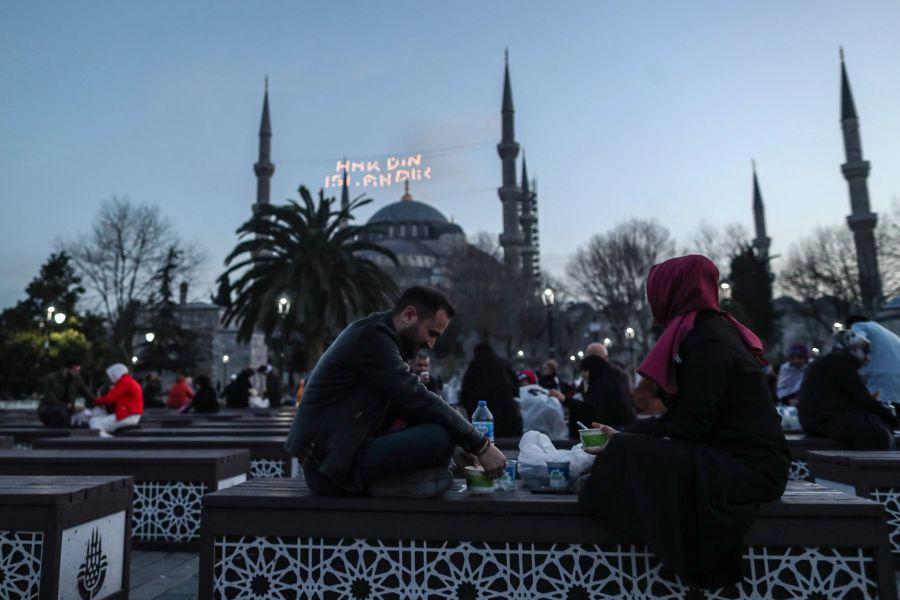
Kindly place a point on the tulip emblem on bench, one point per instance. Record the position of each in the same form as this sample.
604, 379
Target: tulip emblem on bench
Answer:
92, 571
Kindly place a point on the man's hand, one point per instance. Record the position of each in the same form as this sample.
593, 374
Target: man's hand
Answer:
605, 429
493, 462
557, 394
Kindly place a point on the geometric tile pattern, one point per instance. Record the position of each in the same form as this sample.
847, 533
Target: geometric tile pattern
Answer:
266, 468
799, 471
281, 568
890, 497
20, 564
167, 511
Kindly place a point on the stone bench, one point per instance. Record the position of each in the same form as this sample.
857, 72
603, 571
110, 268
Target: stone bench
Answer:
271, 537
24, 437
268, 458
65, 537
868, 474
147, 431
800, 446
169, 484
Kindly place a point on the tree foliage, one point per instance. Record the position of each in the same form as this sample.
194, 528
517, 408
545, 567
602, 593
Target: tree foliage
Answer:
610, 273
172, 347
119, 258
301, 252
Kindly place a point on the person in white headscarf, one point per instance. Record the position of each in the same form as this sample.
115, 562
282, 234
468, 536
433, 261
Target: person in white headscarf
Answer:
125, 396
882, 372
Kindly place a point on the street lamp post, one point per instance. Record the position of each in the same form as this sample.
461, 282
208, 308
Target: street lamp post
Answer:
629, 335
547, 297
53, 316
225, 359
284, 307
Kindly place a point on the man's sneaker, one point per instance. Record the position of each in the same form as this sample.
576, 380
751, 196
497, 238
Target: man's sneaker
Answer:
425, 483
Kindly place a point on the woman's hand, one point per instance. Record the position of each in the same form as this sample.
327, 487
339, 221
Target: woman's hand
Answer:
609, 431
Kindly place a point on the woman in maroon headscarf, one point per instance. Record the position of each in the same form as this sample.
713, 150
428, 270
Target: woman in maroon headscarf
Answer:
688, 483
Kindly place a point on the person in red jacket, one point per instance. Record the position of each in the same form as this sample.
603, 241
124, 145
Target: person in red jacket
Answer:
125, 396
180, 394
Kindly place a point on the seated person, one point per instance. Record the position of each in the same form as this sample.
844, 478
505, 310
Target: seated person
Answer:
125, 397
540, 411
834, 401
790, 375
340, 431
204, 401
549, 378
180, 394
882, 372
491, 378
421, 366
648, 398
688, 483
60, 389
604, 399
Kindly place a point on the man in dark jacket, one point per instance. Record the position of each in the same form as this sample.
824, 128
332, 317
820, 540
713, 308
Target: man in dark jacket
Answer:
835, 403
61, 388
359, 385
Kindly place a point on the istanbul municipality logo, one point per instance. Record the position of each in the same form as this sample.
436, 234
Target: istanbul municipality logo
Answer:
92, 571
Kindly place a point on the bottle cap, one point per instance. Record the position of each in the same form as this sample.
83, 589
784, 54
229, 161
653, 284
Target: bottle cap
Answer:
482, 403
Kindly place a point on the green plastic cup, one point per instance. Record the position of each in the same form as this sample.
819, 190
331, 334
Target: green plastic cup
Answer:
593, 438
477, 482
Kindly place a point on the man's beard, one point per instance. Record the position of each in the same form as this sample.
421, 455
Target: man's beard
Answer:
408, 346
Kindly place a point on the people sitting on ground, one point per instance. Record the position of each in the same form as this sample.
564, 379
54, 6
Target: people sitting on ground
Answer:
549, 375
605, 398
180, 394
882, 372
204, 400
491, 378
834, 402
540, 411
421, 366
152, 390
271, 385
237, 393
790, 375
60, 390
688, 483
125, 397
361, 381
648, 398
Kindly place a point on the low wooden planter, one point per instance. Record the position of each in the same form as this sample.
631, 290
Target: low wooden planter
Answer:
272, 538
268, 458
868, 474
168, 484
65, 537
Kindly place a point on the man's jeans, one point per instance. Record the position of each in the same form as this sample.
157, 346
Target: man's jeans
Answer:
392, 454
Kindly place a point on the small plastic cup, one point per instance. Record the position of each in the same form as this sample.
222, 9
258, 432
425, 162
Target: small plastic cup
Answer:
593, 438
507, 481
477, 482
559, 474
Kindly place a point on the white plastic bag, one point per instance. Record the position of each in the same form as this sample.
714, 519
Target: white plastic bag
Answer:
535, 449
542, 412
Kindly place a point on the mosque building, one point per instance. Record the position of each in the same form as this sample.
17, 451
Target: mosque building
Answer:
422, 237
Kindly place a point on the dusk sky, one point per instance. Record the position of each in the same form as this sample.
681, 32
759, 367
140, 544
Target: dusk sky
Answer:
625, 109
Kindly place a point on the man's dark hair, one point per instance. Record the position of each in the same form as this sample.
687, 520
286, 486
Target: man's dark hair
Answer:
427, 301
851, 319
423, 354
72, 363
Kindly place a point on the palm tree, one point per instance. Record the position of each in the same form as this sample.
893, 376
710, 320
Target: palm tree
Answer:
310, 255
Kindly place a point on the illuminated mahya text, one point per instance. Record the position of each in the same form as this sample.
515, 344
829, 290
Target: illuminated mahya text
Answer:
375, 173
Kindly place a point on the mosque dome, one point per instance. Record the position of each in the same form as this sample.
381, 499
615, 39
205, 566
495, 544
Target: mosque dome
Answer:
409, 210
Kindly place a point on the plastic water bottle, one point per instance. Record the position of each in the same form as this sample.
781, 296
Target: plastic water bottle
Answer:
483, 420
